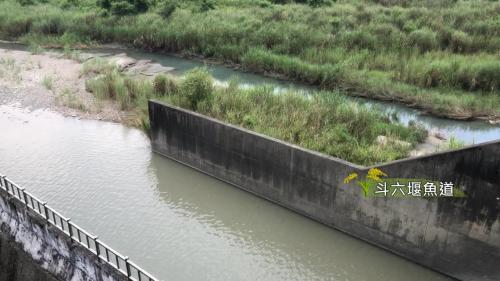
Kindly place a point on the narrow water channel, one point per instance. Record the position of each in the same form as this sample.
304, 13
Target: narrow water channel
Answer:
177, 223
467, 131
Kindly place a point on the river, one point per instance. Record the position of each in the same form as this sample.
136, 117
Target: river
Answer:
177, 223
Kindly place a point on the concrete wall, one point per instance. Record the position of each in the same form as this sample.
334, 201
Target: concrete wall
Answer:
459, 237
32, 250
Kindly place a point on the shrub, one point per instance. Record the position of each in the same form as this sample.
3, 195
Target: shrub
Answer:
26, 2
53, 24
207, 5
360, 39
486, 76
104, 4
197, 86
249, 121
167, 9
423, 39
263, 3
160, 85
460, 42
318, 3
122, 8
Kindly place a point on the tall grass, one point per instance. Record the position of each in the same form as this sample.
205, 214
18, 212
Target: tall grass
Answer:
442, 56
326, 123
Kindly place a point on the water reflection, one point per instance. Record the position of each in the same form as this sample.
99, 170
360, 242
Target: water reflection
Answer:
174, 221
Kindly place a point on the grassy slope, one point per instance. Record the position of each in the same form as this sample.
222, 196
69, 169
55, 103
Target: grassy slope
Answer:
442, 56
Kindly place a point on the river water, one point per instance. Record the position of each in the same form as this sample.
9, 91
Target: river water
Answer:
467, 131
177, 223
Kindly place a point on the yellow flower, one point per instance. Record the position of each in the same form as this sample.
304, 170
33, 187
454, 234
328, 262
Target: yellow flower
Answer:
375, 174
350, 177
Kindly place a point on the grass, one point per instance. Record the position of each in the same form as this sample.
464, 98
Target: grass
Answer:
48, 83
9, 69
442, 56
68, 98
453, 143
326, 122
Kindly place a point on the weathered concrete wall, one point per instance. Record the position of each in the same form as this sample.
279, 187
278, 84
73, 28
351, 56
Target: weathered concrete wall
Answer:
456, 236
32, 250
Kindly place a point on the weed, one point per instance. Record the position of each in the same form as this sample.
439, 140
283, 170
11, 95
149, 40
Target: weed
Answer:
48, 83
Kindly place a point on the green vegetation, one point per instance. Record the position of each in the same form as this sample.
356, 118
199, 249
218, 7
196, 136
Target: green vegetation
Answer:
48, 83
9, 69
454, 143
326, 122
442, 56
68, 98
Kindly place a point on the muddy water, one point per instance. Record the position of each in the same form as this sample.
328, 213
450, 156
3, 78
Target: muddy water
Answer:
176, 222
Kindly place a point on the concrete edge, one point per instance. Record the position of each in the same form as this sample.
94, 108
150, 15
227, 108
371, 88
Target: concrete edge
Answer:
336, 159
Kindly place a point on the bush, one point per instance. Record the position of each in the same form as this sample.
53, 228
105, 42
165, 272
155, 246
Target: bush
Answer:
167, 9
160, 85
197, 86
207, 5
122, 8
360, 39
318, 3
485, 76
263, 3
423, 39
460, 42
26, 2
249, 121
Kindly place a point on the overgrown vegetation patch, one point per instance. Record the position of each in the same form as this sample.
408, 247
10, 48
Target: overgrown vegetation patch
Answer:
442, 55
325, 122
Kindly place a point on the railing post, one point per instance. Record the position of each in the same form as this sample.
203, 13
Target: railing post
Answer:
96, 244
45, 211
2, 181
25, 197
70, 229
127, 266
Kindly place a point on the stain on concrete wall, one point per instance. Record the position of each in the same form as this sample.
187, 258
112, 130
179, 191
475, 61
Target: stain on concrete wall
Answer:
459, 237
32, 250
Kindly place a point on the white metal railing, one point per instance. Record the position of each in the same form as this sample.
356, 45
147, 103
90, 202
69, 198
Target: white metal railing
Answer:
76, 233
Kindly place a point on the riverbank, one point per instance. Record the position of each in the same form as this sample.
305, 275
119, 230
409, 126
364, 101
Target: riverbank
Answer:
326, 122
56, 81
116, 88
433, 57
49, 80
